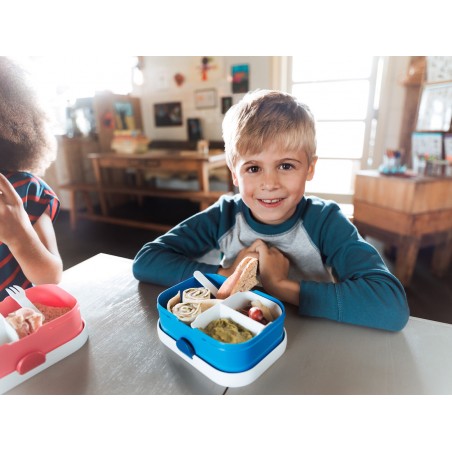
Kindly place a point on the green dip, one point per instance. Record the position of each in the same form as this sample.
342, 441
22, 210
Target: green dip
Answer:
228, 331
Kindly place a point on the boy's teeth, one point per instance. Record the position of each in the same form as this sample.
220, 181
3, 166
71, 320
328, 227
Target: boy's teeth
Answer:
270, 201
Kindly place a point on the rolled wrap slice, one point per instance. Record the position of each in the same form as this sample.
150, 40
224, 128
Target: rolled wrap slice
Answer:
199, 295
173, 302
195, 294
187, 312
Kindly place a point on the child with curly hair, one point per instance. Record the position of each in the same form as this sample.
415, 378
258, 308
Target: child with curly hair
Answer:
28, 206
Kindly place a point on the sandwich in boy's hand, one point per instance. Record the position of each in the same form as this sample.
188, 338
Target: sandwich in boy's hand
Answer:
244, 278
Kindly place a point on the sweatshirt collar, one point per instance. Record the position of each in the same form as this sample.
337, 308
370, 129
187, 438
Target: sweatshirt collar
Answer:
271, 229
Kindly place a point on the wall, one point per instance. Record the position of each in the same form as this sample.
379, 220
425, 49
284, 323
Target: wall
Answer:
160, 86
265, 72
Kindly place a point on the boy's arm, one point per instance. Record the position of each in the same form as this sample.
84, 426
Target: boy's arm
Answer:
172, 257
364, 292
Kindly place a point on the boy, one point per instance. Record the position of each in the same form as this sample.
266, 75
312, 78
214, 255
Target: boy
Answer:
309, 254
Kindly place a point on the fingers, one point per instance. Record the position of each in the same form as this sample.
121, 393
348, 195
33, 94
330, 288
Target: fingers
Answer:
7, 192
254, 247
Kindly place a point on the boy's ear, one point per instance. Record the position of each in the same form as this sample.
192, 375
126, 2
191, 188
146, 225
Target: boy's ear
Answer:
234, 177
311, 169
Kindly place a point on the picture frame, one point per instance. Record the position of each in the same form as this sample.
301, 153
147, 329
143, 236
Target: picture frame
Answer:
226, 104
206, 98
240, 78
194, 129
427, 144
435, 108
448, 147
439, 68
124, 115
168, 114
81, 119
108, 108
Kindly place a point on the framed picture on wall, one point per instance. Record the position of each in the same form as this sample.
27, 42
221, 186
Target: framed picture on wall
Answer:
448, 147
435, 108
115, 112
124, 116
194, 129
206, 98
226, 104
168, 114
240, 78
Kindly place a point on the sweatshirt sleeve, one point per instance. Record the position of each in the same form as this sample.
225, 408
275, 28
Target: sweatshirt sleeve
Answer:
365, 292
174, 256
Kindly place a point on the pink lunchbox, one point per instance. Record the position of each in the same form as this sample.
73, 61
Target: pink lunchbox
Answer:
53, 341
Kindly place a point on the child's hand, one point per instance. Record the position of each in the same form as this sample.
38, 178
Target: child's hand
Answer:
274, 272
13, 217
273, 265
250, 251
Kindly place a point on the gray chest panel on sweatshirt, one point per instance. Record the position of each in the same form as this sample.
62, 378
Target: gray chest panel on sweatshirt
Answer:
305, 259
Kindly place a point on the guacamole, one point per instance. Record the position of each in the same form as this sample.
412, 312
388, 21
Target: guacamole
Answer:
228, 331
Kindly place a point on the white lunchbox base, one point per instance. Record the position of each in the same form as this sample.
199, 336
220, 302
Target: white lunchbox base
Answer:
15, 378
230, 379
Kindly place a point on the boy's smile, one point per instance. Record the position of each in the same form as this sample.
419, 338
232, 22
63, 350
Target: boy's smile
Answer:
272, 182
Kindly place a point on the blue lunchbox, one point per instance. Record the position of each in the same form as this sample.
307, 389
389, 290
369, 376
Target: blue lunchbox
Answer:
225, 363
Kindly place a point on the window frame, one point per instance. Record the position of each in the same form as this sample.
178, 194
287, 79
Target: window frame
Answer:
371, 121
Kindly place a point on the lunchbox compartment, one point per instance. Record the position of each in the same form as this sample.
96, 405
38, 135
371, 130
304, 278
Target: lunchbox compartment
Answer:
230, 379
241, 300
221, 311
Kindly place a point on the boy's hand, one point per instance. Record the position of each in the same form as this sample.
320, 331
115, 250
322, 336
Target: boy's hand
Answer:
250, 251
274, 272
13, 217
273, 265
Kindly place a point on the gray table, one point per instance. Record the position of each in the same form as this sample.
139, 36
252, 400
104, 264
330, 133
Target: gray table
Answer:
124, 355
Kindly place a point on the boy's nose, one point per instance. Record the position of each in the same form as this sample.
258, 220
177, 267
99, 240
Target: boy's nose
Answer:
270, 181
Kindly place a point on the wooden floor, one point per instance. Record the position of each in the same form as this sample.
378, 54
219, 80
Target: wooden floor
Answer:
428, 297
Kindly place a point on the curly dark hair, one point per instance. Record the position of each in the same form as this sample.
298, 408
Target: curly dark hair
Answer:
26, 142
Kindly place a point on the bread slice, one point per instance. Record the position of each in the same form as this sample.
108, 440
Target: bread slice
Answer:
244, 278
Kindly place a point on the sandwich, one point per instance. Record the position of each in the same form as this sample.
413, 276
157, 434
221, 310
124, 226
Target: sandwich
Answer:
244, 278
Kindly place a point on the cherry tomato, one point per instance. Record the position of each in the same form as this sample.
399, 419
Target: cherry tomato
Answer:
256, 314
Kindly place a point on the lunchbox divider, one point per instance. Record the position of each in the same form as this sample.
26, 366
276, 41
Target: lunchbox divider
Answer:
223, 311
242, 299
245, 321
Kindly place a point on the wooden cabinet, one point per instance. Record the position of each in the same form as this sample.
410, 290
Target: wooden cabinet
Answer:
407, 212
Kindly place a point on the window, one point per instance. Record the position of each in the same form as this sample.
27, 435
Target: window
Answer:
60, 80
342, 93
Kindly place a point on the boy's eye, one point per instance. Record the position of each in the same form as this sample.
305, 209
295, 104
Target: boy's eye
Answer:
252, 169
286, 166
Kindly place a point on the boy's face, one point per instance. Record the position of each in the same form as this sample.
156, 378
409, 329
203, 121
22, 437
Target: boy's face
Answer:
272, 182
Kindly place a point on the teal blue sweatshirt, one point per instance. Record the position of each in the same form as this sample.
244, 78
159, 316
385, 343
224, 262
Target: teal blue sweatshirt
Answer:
342, 277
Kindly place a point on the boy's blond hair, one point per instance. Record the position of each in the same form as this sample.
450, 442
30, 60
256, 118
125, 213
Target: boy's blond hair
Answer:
266, 117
